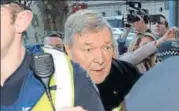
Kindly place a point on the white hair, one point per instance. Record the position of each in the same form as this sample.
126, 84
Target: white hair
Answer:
84, 21
81, 22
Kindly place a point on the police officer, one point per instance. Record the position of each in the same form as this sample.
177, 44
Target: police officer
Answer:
20, 89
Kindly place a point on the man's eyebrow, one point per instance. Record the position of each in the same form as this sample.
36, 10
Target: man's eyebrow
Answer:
108, 42
90, 44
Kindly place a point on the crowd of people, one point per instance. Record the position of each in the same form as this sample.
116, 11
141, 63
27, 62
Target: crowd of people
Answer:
80, 70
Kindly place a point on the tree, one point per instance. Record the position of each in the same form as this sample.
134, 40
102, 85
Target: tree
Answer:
47, 15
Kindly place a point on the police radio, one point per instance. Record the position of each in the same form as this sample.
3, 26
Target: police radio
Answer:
43, 68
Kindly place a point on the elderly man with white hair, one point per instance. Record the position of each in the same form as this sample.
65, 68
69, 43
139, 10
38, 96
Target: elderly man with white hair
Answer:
88, 40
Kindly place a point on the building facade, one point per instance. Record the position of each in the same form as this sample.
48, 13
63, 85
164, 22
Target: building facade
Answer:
114, 8
42, 20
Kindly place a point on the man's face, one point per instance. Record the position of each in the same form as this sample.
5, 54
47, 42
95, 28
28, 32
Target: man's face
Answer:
54, 41
94, 53
7, 29
158, 28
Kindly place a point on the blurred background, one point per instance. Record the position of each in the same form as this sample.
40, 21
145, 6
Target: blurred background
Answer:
51, 14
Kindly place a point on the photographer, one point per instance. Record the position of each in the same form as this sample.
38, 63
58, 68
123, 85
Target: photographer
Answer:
139, 22
137, 19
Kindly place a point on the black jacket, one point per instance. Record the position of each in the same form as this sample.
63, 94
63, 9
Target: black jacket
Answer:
118, 83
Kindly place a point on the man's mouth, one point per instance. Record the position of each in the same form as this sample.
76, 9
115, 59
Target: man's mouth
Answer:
98, 70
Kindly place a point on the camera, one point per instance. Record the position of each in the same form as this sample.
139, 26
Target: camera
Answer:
133, 14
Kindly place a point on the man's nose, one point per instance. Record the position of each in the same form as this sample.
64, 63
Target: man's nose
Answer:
100, 57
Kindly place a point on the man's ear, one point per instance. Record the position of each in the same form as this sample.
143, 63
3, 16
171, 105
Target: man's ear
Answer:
68, 51
23, 20
114, 55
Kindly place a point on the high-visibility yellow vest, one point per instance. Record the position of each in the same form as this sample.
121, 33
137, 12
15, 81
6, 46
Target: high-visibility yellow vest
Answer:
63, 78
117, 109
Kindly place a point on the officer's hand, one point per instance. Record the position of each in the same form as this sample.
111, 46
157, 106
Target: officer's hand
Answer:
78, 108
171, 32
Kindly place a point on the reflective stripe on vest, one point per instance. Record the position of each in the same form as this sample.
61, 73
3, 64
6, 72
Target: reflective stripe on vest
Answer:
63, 79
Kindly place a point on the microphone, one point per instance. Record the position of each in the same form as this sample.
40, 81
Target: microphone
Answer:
43, 68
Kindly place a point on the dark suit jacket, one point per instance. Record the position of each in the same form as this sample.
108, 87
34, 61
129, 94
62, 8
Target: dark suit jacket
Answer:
120, 80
